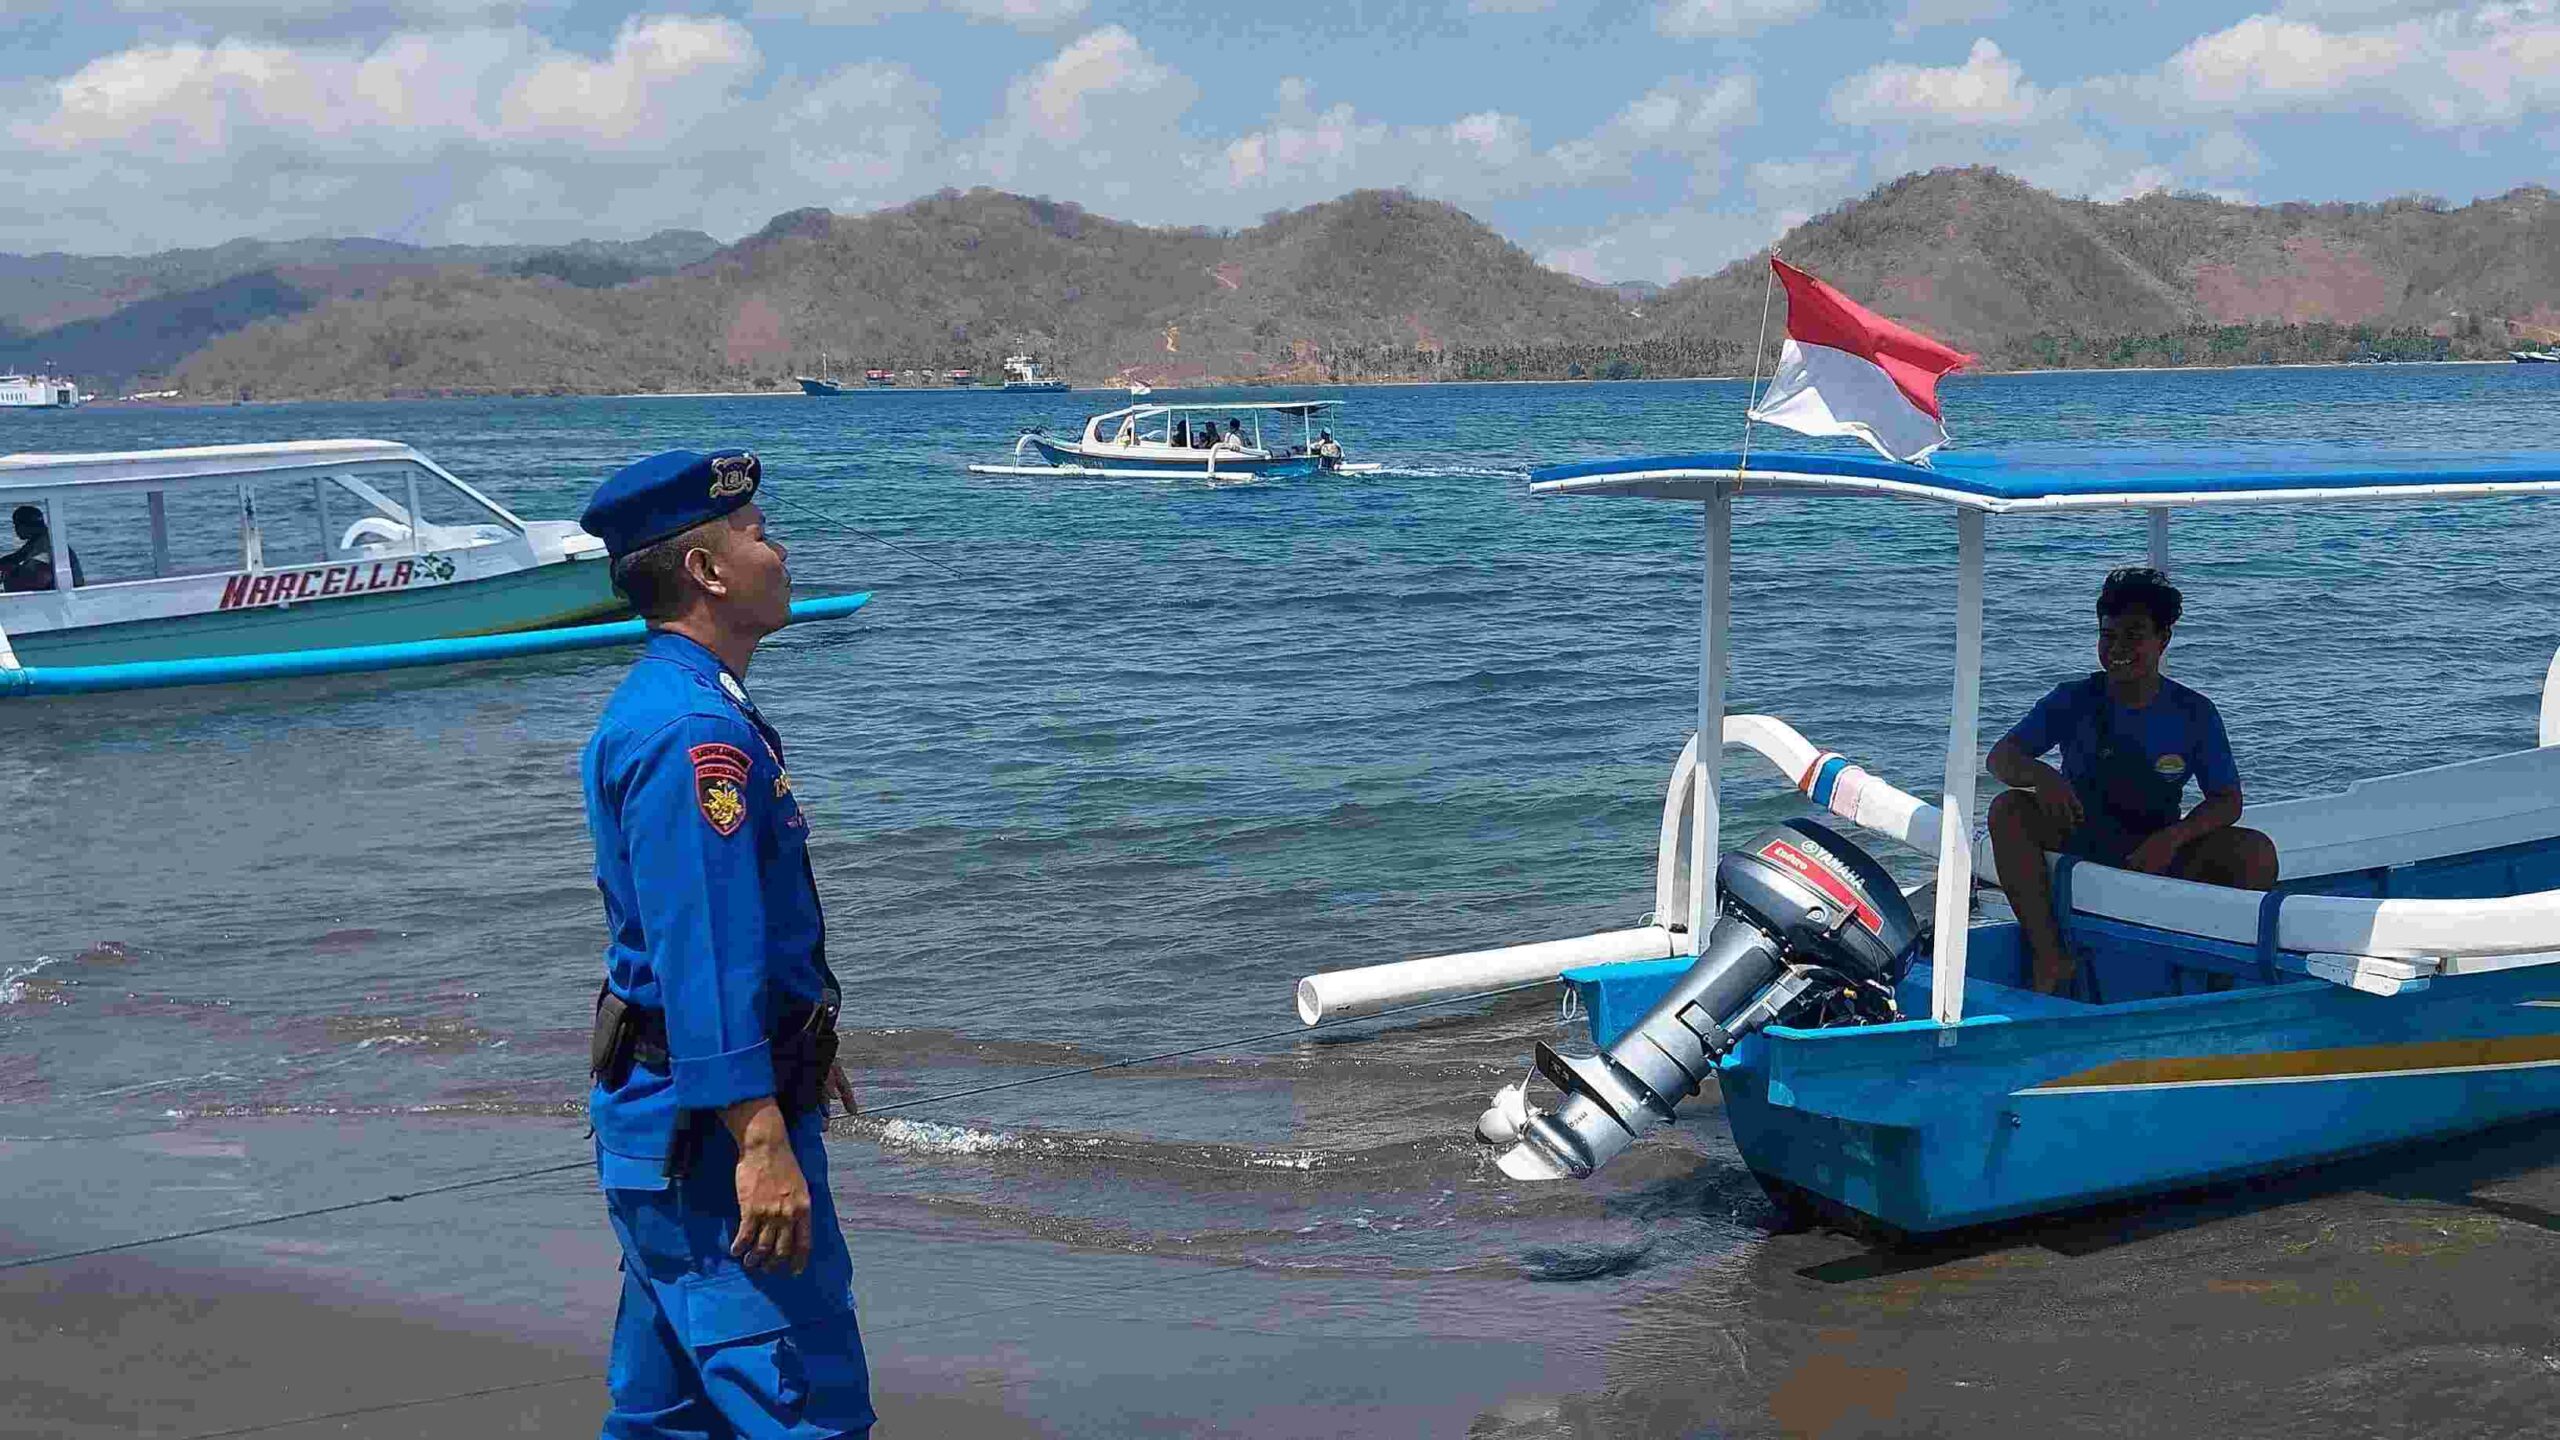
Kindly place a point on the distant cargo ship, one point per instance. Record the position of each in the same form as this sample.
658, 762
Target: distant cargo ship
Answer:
38, 392
1021, 372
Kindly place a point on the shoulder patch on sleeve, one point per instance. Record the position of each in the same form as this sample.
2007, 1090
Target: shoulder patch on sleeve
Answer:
719, 775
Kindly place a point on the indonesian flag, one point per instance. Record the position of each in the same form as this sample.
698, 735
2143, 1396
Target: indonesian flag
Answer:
1845, 370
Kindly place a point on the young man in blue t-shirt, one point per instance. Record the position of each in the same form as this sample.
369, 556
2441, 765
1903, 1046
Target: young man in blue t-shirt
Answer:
2131, 739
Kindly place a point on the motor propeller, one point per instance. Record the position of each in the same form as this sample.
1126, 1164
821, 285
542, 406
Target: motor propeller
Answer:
1808, 927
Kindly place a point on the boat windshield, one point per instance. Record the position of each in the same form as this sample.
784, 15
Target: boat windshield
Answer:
123, 534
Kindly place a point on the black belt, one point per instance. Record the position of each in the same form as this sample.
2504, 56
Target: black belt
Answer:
803, 1045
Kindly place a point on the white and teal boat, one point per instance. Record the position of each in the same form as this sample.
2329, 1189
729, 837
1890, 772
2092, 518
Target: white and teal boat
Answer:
237, 550
1185, 442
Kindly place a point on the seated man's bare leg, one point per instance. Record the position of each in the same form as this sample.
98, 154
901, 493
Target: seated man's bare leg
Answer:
2234, 856
2021, 833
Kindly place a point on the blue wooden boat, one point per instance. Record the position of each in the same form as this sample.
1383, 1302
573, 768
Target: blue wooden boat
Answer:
2396, 986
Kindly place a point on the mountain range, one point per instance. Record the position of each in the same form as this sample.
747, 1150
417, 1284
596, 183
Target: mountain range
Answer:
1376, 284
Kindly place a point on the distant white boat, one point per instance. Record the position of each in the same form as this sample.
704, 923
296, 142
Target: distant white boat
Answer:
2535, 357
1176, 442
1139, 389
38, 392
1021, 372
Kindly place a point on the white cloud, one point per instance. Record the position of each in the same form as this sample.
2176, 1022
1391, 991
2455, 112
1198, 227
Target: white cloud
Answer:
470, 136
1022, 14
1715, 19
1062, 101
2493, 64
1102, 112
1304, 154
1682, 116
412, 92
860, 135
1988, 89
629, 96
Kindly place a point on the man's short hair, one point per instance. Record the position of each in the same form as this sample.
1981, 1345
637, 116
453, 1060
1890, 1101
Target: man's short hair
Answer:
28, 520
2139, 587
652, 577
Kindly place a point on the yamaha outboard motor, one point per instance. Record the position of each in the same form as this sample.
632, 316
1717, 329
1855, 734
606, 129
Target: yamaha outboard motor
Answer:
1808, 929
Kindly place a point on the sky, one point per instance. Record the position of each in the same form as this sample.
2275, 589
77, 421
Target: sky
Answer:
1641, 140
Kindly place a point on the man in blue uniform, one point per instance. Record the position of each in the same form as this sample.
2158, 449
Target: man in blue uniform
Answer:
2131, 739
714, 1050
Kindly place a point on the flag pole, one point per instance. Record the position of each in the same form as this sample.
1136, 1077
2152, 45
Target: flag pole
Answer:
1759, 348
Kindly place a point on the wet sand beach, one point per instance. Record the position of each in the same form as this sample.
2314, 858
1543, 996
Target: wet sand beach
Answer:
2384, 1296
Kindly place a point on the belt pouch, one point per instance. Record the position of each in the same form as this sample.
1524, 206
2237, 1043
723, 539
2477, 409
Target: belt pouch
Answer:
609, 1044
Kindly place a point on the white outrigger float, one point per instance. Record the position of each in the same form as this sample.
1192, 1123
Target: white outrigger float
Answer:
1878, 1054
232, 562
1151, 442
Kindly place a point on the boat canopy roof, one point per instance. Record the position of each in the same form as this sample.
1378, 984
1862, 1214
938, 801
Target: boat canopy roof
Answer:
1282, 407
30, 473
2030, 480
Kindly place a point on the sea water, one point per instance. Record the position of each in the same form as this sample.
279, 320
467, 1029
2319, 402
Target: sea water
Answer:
1142, 755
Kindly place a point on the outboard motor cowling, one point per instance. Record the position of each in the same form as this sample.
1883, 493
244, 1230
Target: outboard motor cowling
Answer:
1808, 926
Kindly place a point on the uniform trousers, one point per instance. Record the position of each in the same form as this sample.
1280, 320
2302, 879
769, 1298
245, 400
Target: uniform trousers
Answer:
706, 1349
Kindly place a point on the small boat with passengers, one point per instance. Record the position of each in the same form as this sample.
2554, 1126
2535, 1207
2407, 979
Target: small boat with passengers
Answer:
1186, 442
1881, 1057
229, 550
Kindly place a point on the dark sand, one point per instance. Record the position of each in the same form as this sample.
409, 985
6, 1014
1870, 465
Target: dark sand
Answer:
2401, 1295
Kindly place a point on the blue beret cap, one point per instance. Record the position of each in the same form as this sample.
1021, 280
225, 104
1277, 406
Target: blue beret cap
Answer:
667, 494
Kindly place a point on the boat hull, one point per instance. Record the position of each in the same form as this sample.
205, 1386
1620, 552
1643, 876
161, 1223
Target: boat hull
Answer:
1181, 465
810, 385
2035, 1105
566, 592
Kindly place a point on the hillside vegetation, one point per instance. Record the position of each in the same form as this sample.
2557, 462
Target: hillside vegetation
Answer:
1375, 285
2023, 278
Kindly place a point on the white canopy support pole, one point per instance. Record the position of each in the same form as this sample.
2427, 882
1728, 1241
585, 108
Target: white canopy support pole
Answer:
159, 503
1955, 811
59, 524
2160, 538
2550, 734
1715, 614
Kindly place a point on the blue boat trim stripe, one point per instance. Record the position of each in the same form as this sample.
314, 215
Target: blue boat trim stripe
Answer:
1826, 773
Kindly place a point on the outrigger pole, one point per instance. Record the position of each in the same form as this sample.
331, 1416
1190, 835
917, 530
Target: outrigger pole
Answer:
288, 664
